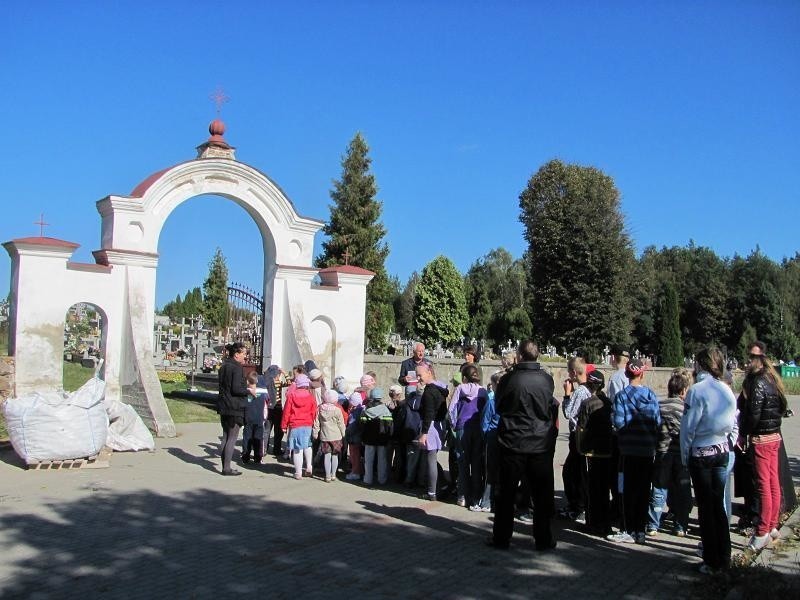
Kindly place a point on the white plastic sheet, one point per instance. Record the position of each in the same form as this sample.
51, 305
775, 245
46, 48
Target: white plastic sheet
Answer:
58, 425
126, 431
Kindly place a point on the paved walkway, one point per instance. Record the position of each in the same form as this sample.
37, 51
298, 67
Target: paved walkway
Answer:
167, 525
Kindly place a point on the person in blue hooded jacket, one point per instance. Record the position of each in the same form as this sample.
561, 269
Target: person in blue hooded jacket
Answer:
637, 421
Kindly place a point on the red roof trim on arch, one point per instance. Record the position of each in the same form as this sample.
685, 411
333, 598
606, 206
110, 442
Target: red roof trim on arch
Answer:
348, 269
45, 241
141, 189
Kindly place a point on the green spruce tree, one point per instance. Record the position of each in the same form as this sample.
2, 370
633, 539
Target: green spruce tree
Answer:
215, 291
355, 236
440, 307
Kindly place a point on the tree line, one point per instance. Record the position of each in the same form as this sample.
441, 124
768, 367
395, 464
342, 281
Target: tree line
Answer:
579, 286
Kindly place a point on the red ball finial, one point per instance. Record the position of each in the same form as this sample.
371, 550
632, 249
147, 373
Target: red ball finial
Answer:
216, 128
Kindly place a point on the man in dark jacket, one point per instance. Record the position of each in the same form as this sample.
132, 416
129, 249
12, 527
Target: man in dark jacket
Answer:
411, 364
526, 437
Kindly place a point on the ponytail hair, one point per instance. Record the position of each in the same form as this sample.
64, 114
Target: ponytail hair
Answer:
234, 348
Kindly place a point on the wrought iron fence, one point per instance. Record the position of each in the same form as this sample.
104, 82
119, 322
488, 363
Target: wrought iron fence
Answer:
246, 321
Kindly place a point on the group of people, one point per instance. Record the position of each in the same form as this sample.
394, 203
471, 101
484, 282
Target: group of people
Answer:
630, 453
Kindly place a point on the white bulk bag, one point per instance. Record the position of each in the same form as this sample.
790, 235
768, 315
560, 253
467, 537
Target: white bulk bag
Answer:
57, 425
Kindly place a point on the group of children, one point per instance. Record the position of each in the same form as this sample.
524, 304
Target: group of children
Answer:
378, 436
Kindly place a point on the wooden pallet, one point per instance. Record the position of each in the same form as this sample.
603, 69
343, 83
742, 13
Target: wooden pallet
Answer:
98, 461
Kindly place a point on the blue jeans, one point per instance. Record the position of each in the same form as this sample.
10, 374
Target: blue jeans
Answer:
728, 508
658, 500
709, 474
669, 475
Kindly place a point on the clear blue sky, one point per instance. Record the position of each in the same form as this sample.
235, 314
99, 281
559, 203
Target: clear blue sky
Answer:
692, 108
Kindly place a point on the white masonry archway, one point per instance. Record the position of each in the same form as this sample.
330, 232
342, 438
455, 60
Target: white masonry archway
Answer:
45, 283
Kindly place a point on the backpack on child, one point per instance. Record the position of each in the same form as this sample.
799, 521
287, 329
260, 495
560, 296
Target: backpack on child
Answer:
412, 421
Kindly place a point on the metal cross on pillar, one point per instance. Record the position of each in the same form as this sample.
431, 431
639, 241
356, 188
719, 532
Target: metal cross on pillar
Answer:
41, 224
219, 98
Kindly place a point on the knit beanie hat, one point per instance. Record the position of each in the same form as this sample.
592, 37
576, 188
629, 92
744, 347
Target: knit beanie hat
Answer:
340, 384
367, 381
301, 381
356, 399
331, 397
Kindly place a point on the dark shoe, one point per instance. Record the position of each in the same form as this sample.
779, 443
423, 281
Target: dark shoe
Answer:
231, 473
492, 543
245, 458
546, 547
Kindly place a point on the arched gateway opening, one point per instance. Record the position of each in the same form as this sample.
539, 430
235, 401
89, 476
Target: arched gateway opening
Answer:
307, 312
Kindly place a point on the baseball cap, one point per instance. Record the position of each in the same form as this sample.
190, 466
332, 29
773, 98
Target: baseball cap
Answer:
635, 368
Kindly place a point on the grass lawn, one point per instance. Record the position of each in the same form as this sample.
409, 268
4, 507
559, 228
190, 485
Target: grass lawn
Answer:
75, 376
186, 411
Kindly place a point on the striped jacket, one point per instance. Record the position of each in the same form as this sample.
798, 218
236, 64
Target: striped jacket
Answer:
637, 420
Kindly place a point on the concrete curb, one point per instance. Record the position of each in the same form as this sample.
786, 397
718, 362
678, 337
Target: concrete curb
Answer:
775, 556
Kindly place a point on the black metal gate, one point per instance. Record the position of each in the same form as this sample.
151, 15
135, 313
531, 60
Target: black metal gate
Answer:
246, 321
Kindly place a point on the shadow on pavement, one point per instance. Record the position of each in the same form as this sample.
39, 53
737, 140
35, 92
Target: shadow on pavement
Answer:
207, 543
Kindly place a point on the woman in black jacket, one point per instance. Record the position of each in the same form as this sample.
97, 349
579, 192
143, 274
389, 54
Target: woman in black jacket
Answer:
231, 402
433, 410
764, 403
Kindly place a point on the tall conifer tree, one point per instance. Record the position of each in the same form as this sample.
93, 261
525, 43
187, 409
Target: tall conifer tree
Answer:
671, 346
355, 235
215, 292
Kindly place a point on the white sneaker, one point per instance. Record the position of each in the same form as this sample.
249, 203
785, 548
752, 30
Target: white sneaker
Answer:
775, 534
475, 508
623, 537
353, 477
461, 501
757, 542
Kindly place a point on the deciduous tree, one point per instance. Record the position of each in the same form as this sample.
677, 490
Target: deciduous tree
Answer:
579, 256
440, 308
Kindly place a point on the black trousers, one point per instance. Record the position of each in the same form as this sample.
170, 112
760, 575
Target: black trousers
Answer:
537, 471
575, 477
275, 415
602, 479
637, 473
